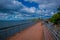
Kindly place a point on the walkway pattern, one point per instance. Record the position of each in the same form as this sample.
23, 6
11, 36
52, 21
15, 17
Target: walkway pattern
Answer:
35, 32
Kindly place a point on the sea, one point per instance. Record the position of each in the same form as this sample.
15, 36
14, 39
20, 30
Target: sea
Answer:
9, 28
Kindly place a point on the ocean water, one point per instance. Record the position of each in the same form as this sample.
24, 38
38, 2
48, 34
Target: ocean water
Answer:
9, 28
4, 24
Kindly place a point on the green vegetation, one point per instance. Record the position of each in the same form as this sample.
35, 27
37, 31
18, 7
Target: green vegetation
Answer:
58, 8
56, 17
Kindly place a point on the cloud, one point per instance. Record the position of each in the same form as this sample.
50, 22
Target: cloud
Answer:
46, 6
6, 16
13, 9
14, 6
39, 11
33, 0
29, 10
10, 9
52, 13
44, 1
46, 14
10, 5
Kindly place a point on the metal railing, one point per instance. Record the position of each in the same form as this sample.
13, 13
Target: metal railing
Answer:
53, 31
9, 31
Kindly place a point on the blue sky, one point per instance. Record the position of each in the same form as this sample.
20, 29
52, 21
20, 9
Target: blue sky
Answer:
27, 9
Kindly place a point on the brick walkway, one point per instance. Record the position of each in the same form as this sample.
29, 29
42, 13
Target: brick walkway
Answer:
35, 32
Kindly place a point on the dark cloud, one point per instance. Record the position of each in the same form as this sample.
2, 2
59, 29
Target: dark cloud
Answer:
10, 5
9, 9
13, 9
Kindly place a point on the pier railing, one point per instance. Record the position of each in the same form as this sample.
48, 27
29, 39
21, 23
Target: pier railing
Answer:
55, 33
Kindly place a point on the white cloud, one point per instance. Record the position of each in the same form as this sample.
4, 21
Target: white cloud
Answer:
26, 15
49, 5
32, 0
32, 9
17, 7
43, 1
42, 6
29, 10
37, 1
39, 11
18, 16
52, 13
16, 2
14, 5
3, 16
10, 4
42, 11
46, 14
46, 8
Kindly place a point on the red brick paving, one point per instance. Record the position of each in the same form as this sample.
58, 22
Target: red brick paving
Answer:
47, 34
34, 32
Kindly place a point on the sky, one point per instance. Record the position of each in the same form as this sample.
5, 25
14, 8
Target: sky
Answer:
27, 9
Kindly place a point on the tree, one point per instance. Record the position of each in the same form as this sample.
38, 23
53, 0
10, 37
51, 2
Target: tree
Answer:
58, 8
55, 18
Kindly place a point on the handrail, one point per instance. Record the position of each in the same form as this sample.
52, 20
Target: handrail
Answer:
54, 32
13, 26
